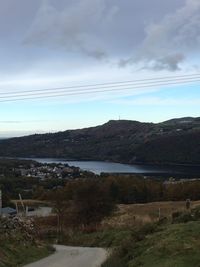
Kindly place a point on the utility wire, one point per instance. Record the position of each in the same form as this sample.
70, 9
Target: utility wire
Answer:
108, 85
108, 88
97, 91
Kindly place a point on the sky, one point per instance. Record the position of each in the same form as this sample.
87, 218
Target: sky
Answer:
51, 44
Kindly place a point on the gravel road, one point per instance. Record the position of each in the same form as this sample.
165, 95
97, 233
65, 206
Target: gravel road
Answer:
73, 257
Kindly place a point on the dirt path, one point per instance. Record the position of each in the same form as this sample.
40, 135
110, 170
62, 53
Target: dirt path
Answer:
73, 257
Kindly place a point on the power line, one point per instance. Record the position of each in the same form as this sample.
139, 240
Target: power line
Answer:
110, 88
117, 87
97, 91
109, 85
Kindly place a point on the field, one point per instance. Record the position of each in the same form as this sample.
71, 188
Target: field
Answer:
140, 214
125, 217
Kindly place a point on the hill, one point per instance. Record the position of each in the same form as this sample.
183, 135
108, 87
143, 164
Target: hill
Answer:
173, 141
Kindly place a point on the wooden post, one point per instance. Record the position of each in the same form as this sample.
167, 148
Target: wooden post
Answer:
17, 210
22, 203
159, 214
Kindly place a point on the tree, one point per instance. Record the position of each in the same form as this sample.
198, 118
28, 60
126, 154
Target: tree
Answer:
91, 202
60, 204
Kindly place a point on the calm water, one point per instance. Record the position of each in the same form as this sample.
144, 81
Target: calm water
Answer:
99, 166
109, 167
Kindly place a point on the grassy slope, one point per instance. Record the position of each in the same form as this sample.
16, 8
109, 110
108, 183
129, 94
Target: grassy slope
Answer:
15, 251
176, 245
147, 244
144, 243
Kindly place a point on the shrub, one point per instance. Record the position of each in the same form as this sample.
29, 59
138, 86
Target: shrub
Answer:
183, 217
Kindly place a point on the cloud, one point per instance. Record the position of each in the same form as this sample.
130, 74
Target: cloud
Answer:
172, 40
170, 62
146, 35
10, 122
143, 34
76, 28
18, 122
13, 133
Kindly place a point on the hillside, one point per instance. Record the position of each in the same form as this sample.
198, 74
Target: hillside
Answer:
138, 238
166, 246
173, 141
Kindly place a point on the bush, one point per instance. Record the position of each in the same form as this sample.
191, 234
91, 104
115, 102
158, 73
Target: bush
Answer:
114, 261
182, 217
196, 213
126, 251
144, 231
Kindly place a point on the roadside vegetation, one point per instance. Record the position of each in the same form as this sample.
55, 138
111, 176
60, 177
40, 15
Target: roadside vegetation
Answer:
19, 243
159, 246
15, 254
170, 241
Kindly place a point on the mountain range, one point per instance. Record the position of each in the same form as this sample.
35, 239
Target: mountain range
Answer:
175, 141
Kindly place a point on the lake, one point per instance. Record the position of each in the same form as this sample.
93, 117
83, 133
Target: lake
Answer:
100, 166
108, 167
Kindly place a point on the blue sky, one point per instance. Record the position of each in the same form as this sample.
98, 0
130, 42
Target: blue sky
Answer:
24, 118
50, 44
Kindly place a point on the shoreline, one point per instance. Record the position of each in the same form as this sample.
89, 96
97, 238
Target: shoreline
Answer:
148, 170
156, 164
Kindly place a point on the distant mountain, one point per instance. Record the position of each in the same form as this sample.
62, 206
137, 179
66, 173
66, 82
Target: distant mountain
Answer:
173, 141
185, 120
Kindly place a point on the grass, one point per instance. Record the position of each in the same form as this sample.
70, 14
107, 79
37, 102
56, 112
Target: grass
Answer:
15, 251
138, 240
140, 214
19, 257
104, 238
176, 245
125, 217
146, 243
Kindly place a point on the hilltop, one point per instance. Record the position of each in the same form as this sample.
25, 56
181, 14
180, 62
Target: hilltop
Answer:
173, 141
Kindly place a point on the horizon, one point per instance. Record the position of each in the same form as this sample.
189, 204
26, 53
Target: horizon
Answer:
75, 64
18, 134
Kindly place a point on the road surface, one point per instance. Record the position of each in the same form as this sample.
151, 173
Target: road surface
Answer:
73, 257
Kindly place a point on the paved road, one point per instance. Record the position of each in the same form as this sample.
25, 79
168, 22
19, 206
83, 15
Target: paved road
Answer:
73, 257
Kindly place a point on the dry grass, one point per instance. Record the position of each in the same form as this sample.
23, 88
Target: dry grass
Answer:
140, 214
30, 202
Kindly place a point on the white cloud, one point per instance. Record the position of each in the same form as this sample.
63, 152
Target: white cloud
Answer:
77, 27
157, 35
175, 38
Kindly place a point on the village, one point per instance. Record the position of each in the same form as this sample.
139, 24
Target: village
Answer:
45, 171
26, 178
